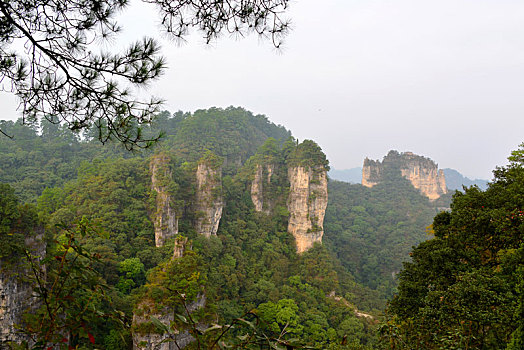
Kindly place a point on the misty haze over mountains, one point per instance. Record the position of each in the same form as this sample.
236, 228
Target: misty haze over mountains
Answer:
454, 179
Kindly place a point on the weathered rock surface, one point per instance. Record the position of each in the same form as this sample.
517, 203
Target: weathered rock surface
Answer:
257, 188
157, 339
180, 247
422, 172
164, 218
208, 202
17, 296
371, 172
307, 204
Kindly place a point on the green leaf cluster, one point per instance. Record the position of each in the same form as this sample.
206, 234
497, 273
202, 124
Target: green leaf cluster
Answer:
463, 288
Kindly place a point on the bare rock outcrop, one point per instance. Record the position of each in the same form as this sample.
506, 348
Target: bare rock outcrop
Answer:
371, 172
147, 335
208, 201
307, 204
164, 218
262, 179
422, 172
429, 180
16, 295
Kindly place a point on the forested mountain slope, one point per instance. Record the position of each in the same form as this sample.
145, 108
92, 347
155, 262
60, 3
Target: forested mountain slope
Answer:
465, 287
247, 260
372, 230
225, 216
36, 158
456, 180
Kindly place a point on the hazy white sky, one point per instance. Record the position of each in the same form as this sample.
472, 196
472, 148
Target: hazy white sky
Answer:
444, 79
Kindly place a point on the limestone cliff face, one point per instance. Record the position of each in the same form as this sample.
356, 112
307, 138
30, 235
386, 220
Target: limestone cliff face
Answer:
430, 181
307, 204
146, 337
371, 172
257, 188
164, 217
16, 296
422, 172
208, 201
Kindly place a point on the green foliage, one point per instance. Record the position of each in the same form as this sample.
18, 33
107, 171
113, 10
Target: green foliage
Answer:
114, 194
16, 223
307, 154
372, 230
251, 263
281, 317
75, 301
211, 159
175, 279
233, 134
32, 162
463, 288
8, 208
132, 274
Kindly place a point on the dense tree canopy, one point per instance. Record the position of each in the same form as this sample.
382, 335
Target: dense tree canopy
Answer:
372, 230
464, 288
34, 159
62, 75
250, 267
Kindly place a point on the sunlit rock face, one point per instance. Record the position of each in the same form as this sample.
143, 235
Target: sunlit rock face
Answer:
208, 202
307, 204
262, 179
16, 295
164, 218
422, 172
371, 172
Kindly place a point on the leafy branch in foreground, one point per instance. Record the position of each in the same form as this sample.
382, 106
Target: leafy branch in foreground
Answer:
245, 332
73, 297
463, 288
62, 76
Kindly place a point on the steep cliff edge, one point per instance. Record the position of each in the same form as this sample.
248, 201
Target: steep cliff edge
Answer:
208, 199
422, 172
262, 179
307, 199
307, 204
371, 172
16, 295
164, 217
291, 179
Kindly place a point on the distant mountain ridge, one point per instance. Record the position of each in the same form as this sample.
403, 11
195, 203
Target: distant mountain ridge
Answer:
454, 179
353, 175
